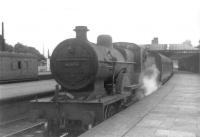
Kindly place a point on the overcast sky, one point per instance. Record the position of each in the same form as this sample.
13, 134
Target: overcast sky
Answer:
48, 22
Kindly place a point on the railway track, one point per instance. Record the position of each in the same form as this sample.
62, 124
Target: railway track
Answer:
22, 128
25, 128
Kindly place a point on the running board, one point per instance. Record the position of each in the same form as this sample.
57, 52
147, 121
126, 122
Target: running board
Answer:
132, 87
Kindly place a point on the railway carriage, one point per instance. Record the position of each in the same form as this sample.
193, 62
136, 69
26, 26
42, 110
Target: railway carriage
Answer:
17, 67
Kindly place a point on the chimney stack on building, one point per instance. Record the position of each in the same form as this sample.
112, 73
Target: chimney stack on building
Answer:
2, 40
154, 41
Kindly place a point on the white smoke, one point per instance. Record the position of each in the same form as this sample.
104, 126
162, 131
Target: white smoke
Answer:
149, 81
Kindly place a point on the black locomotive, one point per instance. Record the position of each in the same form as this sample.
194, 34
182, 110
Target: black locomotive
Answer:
95, 81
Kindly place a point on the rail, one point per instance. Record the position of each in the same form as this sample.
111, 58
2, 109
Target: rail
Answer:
25, 130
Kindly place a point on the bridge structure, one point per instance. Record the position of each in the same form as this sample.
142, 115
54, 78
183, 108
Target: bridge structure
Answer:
184, 56
177, 54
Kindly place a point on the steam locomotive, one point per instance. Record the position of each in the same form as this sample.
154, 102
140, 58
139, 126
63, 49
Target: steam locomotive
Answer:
95, 81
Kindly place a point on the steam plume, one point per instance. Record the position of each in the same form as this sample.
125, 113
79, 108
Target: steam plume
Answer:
149, 81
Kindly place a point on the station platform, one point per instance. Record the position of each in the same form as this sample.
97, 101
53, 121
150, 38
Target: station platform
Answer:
171, 111
45, 75
17, 90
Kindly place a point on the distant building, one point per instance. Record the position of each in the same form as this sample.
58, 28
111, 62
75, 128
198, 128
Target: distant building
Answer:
198, 45
44, 65
181, 47
155, 45
154, 41
2, 45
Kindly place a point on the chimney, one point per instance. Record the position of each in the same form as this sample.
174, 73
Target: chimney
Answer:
2, 30
3, 40
81, 32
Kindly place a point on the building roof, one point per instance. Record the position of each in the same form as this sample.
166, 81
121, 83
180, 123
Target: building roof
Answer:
158, 47
15, 54
181, 47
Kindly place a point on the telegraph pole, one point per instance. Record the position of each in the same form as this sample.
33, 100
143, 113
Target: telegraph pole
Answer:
48, 54
43, 51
